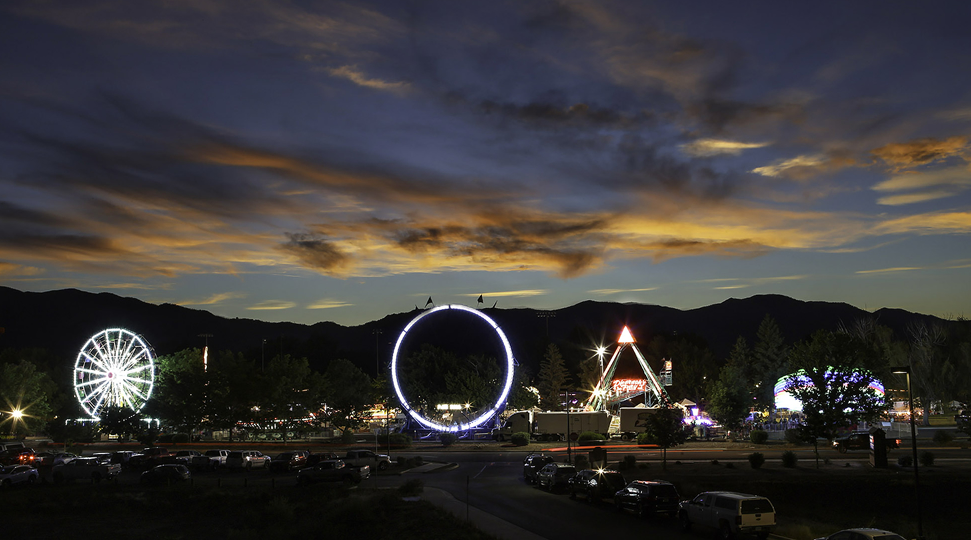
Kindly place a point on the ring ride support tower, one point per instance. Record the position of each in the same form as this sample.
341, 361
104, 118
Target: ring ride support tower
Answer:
655, 394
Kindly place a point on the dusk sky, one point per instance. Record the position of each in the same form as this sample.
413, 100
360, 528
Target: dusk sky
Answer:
328, 161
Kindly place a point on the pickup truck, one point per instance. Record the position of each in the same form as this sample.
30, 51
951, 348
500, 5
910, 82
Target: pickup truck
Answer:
212, 459
731, 514
367, 457
85, 468
333, 470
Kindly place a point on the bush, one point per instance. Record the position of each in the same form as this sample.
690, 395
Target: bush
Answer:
756, 459
448, 438
394, 440
926, 458
943, 437
410, 463
759, 436
793, 436
520, 439
629, 462
714, 462
789, 459
411, 488
590, 436
729, 465
905, 461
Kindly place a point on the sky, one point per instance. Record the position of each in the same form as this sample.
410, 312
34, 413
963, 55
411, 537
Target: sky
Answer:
331, 161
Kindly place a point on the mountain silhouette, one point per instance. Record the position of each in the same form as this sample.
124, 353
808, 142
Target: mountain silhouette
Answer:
63, 320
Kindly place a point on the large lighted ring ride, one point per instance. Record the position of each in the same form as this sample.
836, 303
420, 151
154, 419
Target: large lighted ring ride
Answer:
114, 368
471, 423
607, 393
785, 400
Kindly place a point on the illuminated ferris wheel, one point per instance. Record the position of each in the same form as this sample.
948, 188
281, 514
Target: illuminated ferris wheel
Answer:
114, 368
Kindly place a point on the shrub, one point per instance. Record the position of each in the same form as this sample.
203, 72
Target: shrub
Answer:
759, 436
520, 439
943, 437
394, 440
410, 463
905, 461
789, 459
448, 438
643, 439
714, 462
411, 488
590, 436
629, 462
729, 465
926, 458
756, 459
793, 436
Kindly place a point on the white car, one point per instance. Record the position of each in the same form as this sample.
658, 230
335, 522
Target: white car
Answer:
863, 534
247, 459
17, 474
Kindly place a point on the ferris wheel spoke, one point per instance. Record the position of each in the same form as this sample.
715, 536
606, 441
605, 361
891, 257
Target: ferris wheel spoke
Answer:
133, 360
133, 389
92, 371
92, 382
99, 362
131, 380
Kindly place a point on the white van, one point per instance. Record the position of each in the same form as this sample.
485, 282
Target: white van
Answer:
730, 513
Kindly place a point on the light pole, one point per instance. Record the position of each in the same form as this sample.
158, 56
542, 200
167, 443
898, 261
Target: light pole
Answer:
263, 354
913, 445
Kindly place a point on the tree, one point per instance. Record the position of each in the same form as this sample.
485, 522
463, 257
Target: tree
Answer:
121, 421
769, 363
665, 428
348, 393
553, 378
179, 396
293, 393
693, 364
233, 391
27, 394
832, 385
522, 396
729, 401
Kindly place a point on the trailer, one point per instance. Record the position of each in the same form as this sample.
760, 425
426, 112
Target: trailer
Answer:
552, 425
633, 421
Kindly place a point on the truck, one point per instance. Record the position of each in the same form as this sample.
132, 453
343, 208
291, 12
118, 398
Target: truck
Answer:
211, 459
90, 468
333, 470
552, 425
633, 421
367, 457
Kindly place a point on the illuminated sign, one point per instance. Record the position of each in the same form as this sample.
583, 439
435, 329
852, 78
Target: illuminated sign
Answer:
628, 386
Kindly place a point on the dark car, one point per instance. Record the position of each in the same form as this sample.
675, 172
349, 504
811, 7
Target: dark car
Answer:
859, 440
963, 420
287, 461
554, 476
647, 498
17, 456
596, 485
317, 457
167, 473
532, 464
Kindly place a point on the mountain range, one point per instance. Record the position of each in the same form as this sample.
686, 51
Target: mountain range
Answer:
63, 320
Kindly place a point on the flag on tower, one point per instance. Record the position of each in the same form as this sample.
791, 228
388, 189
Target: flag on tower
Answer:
429, 301
480, 299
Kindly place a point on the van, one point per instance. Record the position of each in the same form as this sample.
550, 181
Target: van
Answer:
730, 513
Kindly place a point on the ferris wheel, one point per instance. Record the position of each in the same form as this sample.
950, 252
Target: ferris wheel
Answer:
114, 368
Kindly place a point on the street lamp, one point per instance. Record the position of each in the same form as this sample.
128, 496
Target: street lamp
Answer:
913, 444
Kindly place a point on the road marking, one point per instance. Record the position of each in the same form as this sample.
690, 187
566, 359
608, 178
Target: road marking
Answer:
484, 467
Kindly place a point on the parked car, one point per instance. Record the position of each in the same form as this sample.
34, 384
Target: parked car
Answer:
963, 420
555, 476
247, 459
532, 464
860, 440
50, 459
122, 457
149, 457
647, 498
317, 457
729, 513
333, 470
85, 468
17, 456
166, 473
863, 534
212, 459
288, 461
17, 474
11, 445
596, 485
380, 462
182, 457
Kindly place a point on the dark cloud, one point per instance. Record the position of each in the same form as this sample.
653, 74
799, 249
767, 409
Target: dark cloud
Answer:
921, 151
721, 115
556, 115
315, 253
